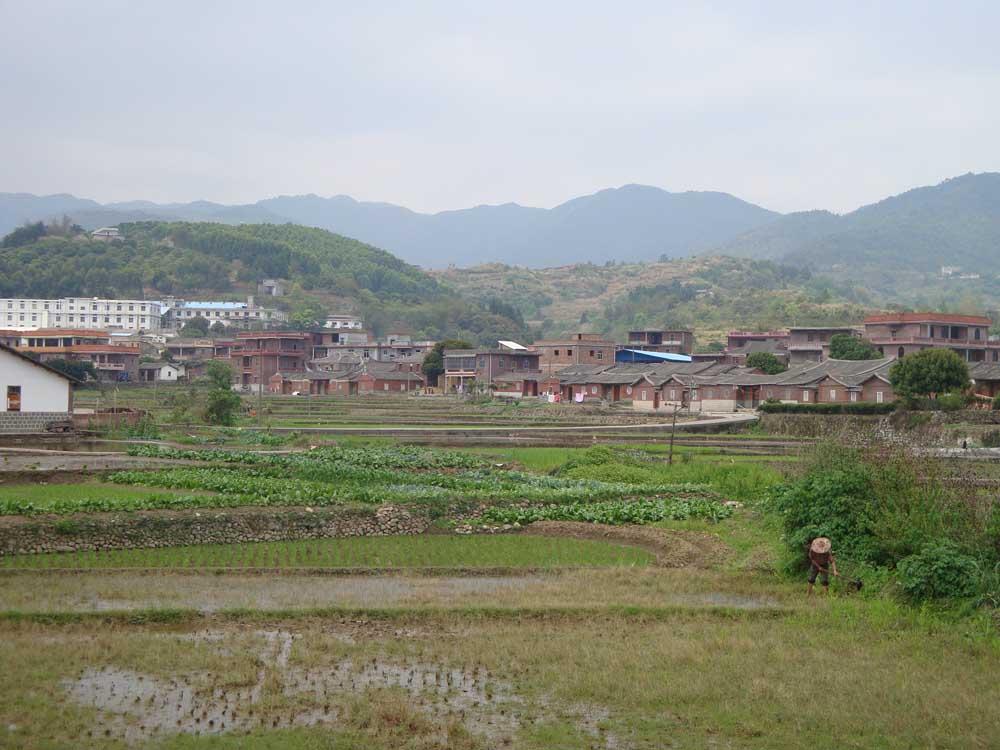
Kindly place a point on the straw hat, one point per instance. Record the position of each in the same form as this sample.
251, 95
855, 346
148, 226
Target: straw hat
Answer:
821, 545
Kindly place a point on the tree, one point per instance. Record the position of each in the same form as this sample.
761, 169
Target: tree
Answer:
434, 359
219, 374
74, 368
766, 362
197, 326
846, 346
218, 328
25, 235
929, 373
222, 404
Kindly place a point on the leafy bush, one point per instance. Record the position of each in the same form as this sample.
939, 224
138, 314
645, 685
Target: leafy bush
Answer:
952, 401
938, 571
851, 407
991, 439
996, 402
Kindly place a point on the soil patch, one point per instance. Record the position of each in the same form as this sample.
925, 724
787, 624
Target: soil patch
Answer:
138, 708
673, 549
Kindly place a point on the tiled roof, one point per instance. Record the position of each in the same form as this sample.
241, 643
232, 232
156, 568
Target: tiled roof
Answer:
981, 371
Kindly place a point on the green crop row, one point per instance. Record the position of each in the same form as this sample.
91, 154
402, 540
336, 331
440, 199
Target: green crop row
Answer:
615, 513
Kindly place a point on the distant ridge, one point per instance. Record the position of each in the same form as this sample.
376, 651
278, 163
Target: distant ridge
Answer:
956, 222
634, 222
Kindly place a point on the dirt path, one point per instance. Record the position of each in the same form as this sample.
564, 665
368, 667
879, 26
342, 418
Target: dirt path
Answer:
673, 549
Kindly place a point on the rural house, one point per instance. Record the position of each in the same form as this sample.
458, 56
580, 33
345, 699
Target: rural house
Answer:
33, 394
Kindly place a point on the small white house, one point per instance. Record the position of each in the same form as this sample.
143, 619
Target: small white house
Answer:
31, 394
107, 234
166, 372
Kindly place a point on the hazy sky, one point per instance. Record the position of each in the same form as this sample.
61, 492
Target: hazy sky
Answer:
445, 105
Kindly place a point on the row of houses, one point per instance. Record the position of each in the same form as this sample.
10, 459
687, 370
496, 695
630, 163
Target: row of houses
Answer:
721, 387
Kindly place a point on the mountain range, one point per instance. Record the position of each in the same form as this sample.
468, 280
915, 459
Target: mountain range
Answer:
954, 223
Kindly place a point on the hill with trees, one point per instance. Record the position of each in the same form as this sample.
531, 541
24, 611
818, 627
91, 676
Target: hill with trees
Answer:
709, 295
326, 272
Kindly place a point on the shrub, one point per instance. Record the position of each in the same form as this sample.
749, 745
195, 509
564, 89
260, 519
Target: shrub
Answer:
938, 571
952, 401
996, 402
991, 439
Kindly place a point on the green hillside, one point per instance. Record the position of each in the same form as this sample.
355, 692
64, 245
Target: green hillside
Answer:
327, 272
709, 295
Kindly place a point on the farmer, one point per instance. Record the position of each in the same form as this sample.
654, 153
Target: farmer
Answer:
821, 563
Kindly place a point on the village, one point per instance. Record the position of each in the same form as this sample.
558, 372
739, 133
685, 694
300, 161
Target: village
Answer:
141, 342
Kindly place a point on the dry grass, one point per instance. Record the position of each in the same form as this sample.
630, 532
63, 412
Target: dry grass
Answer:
845, 674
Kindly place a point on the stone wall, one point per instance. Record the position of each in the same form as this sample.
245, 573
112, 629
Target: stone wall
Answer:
103, 531
29, 421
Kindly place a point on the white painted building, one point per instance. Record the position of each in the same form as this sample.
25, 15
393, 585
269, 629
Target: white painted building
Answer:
27, 386
80, 312
177, 312
343, 321
107, 234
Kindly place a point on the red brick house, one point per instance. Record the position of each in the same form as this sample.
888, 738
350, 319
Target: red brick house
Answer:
900, 334
812, 344
256, 356
580, 348
654, 340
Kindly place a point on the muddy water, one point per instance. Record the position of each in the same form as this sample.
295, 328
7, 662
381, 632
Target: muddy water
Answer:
102, 592
137, 708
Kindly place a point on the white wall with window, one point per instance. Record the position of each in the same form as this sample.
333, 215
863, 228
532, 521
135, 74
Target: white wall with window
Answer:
26, 386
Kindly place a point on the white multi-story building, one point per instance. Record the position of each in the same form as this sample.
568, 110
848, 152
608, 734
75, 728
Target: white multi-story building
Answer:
80, 312
343, 321
177, 312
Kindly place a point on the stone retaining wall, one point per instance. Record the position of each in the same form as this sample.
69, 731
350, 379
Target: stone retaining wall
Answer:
34, 535
20, 422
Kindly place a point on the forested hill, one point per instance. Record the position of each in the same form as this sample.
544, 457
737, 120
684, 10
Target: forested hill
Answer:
326, 273
955, 223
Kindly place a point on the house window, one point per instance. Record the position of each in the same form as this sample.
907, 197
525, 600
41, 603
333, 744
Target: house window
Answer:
854, 395
385, 387
13, 398
628, 390
833, 394
555, 353
805, 396
878, 397
591, 352
673, 394
600, 354
593, 389
569, 352
788, 394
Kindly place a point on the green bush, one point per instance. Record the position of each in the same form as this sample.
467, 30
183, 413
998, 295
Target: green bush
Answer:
952, 401
938, 571
996, 402
851, 407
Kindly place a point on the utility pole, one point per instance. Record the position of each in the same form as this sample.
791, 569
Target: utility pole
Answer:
260, 384
673, 429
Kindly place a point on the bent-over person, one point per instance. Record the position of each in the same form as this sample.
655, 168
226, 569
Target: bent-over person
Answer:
821, 563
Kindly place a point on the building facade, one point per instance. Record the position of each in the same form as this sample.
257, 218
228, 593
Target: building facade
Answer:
812, 344
32, 396
900, 334
580, 348
255, 357
177, 312
652, 340
81, 312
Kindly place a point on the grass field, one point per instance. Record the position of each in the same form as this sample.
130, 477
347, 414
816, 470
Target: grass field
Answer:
887, 678
427, 551
477, 642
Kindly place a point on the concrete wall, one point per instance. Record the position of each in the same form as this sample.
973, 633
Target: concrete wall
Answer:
41, 390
